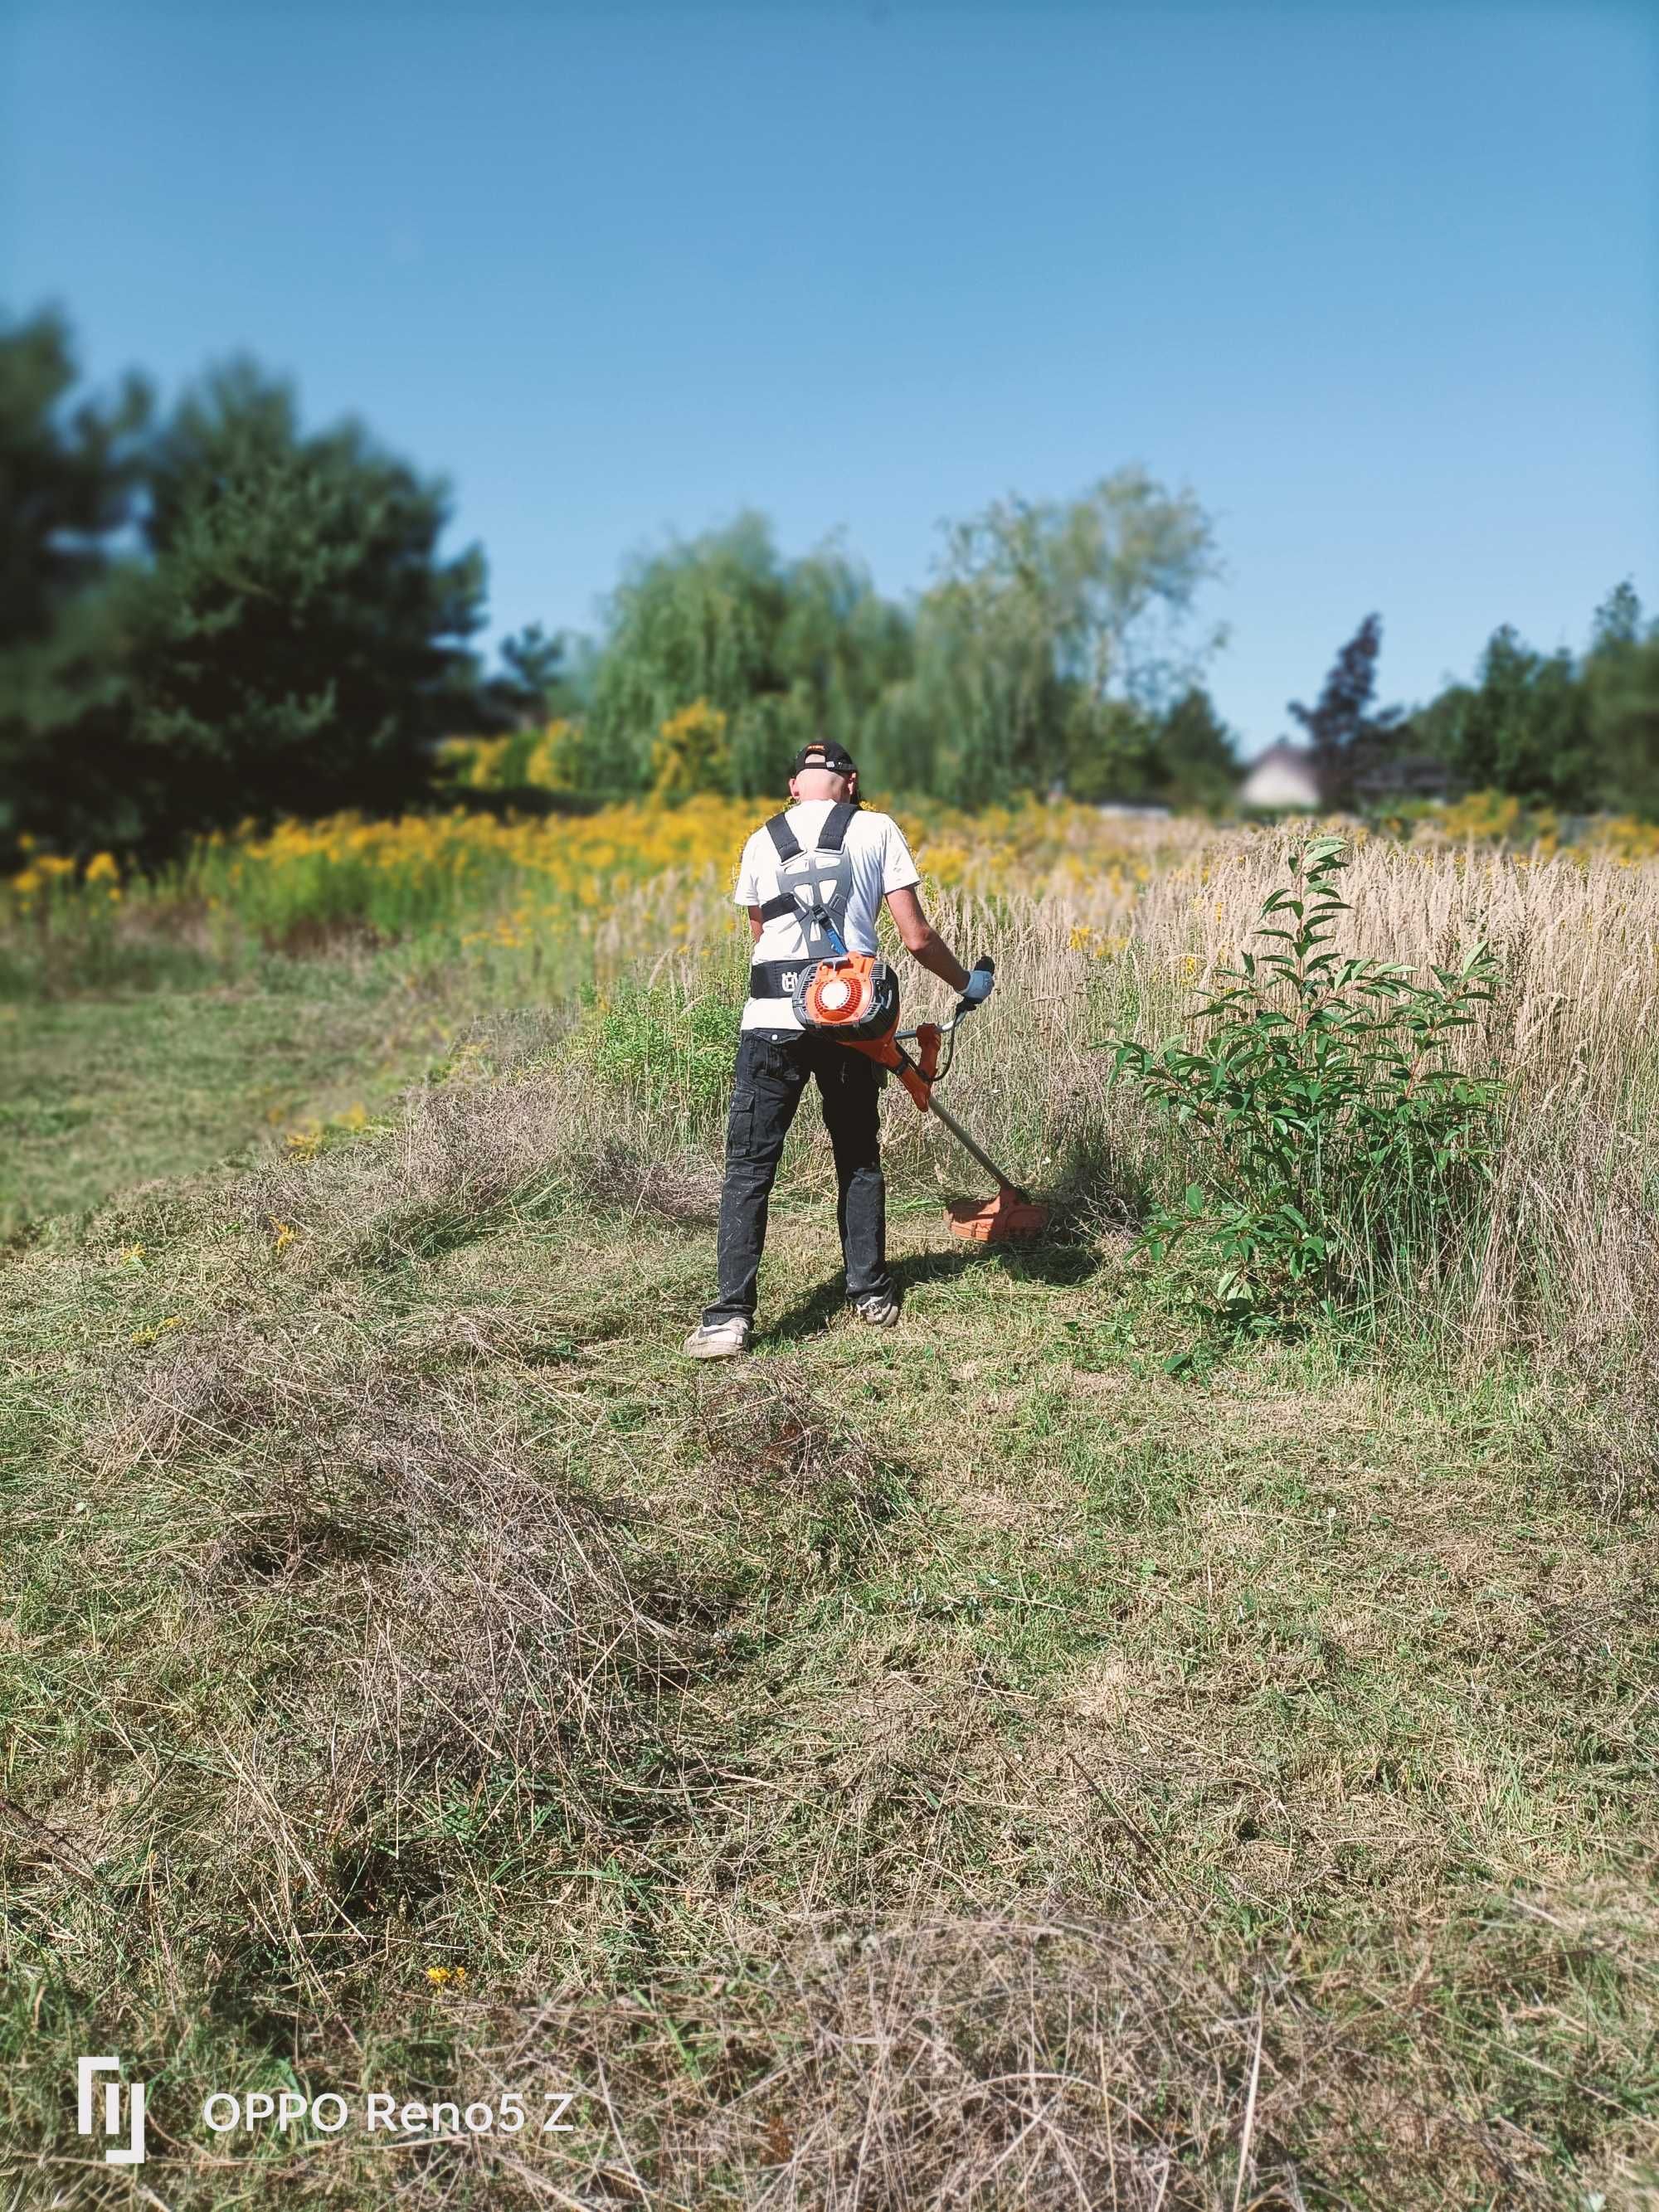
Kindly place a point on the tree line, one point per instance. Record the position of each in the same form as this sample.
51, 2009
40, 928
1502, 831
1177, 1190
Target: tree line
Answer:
217, 613
1576, 732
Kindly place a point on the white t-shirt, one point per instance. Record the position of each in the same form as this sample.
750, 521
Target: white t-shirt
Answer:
881, 862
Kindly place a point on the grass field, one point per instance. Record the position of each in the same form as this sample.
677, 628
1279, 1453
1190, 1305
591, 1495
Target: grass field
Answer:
966, 1765
104, 1092
268, 984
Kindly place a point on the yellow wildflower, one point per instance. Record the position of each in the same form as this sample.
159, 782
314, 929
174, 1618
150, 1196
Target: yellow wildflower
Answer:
151, 1335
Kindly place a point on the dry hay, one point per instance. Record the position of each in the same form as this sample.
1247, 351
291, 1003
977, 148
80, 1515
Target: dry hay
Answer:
624, 1176
472, 1634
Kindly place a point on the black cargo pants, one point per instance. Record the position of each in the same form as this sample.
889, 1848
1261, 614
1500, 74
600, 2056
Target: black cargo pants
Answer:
773, 1068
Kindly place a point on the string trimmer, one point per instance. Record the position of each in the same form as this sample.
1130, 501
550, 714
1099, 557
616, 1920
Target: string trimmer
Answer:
854, 997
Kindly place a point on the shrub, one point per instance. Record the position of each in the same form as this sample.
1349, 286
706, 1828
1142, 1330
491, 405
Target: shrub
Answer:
549, 758
691, 754
1335, 1144
556, 760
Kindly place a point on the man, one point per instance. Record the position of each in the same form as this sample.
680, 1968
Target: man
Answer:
825, 858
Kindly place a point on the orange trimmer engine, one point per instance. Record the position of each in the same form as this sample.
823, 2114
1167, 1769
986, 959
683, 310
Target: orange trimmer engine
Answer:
854, 997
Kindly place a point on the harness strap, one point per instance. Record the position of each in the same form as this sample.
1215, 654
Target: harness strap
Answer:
829, 838
775, 979
833, 836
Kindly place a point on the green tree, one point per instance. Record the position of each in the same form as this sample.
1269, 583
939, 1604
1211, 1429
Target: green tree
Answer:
1121, 752
1045, 612
530, 686
299, 641
1523, 726
1195, 763
69, 772
697, 622
1111, 752
1621, 678
840, 646
785, 650
69, 475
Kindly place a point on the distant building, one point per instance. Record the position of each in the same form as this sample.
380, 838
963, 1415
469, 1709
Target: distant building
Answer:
1282, 777
1397, 776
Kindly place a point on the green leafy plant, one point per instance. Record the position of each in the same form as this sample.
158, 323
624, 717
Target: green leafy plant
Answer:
668, 1050
1334, 1147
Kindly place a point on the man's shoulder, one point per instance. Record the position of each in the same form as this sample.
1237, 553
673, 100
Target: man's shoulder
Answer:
756, 846
881, 833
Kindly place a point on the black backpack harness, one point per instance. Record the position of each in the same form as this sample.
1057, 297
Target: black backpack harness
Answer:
814, 886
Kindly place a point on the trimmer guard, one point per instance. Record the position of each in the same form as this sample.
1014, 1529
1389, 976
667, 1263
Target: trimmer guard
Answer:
992, 1221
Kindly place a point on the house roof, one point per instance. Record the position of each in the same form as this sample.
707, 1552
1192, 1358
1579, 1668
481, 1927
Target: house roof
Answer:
1282, 754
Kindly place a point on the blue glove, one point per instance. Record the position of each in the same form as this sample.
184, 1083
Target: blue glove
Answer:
977, 988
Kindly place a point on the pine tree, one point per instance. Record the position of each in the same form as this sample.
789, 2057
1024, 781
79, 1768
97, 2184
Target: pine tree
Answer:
1347, 740
1621, 677
68, 480
1195, 760
300, 641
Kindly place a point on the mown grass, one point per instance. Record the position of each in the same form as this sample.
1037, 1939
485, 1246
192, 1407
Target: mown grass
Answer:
102, 1090
961, 1766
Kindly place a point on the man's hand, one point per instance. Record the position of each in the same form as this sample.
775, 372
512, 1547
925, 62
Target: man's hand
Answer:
977, 990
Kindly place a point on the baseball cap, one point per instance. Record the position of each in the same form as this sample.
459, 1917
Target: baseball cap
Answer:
824, 752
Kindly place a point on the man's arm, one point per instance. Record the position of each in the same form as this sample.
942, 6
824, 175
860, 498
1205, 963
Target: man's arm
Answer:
923, 941
756, 924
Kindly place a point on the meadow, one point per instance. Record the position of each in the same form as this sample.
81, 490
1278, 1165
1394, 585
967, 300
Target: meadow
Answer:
1092, 1745
269, 984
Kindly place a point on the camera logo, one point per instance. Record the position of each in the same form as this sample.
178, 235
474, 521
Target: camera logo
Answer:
132, 2152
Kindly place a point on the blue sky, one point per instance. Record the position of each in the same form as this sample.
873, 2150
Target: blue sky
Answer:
1380, 283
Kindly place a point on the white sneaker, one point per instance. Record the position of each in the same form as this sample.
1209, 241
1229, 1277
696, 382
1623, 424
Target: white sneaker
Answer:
880, 1310
718, 1340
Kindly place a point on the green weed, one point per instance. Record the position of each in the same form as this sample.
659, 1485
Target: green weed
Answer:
1337, 1145
665, 1049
